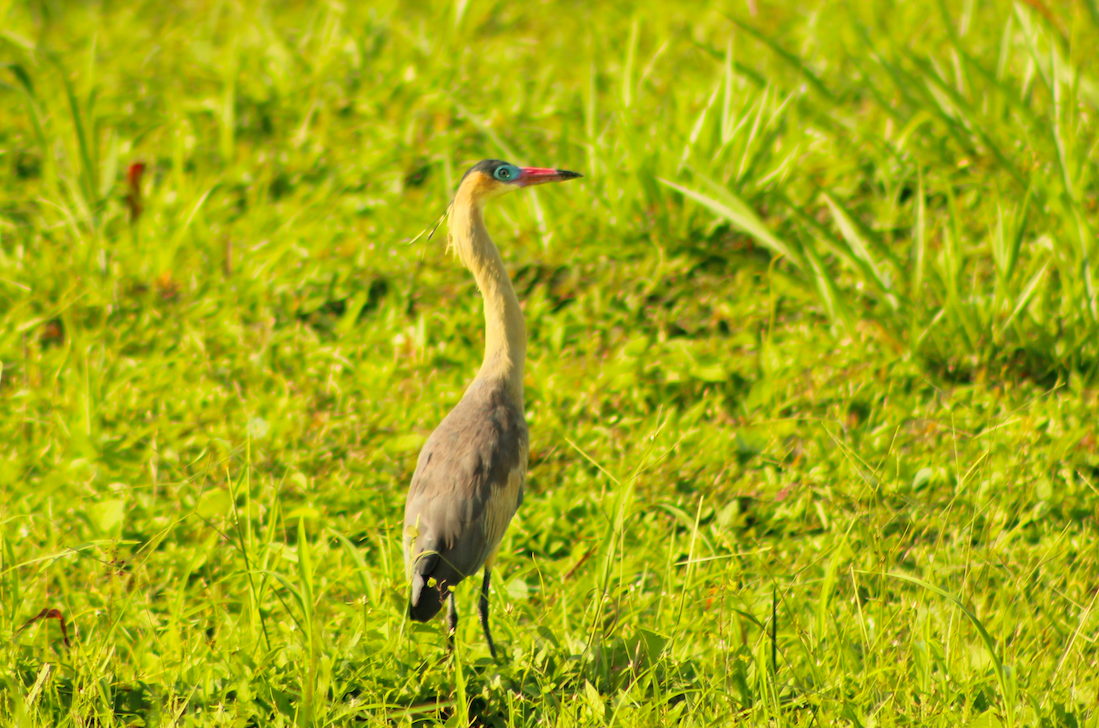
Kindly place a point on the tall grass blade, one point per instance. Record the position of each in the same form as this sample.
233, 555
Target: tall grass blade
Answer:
30, 98
166, 253
591, 94
627, 69
696, 130
622, 507
787, 56
953, 267
1025, 295
750, 74
305, 579
227, 109
833, 301
244, 545
1093, 11
87, 173
861, 251
916, 290
460, 719
1019, 226
969, 116
1030, 33
460, 8
728, 118
727, 205
1007, 683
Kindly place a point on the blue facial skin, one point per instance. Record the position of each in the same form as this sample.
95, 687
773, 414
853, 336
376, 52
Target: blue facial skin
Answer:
506, 173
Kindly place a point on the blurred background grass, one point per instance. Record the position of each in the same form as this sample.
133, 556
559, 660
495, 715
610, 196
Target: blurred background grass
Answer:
813, 354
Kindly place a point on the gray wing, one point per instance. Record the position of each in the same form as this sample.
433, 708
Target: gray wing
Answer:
468, 483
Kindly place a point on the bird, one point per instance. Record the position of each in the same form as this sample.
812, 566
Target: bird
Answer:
471, 471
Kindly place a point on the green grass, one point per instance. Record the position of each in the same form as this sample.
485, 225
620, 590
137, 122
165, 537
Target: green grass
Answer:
811, 383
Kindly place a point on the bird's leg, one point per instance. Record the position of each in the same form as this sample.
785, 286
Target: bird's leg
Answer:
482, 609
451, 621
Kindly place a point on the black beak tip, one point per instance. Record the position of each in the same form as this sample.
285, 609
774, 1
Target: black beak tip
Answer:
566, 174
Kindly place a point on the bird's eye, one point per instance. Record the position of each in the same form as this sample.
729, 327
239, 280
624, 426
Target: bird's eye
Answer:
504, 174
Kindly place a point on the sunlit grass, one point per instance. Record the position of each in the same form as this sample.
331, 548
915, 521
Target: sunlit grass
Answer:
813, 351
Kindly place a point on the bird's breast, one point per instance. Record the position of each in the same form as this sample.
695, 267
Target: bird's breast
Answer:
502, 505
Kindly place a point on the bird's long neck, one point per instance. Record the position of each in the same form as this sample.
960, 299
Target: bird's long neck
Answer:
505, 331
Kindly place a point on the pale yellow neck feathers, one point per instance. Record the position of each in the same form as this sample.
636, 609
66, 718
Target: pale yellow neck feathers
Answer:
505, 331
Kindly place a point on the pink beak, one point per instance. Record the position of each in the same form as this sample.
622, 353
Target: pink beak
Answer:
530, 176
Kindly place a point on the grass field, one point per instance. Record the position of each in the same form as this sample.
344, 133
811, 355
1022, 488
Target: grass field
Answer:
812, 379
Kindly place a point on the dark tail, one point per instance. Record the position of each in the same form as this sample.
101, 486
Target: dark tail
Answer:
425, 601
433, 578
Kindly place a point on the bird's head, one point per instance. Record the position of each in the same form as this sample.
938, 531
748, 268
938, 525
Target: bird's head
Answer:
491, 178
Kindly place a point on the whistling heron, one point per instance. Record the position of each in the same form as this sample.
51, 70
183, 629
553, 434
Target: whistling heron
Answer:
469, 476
